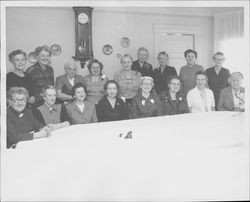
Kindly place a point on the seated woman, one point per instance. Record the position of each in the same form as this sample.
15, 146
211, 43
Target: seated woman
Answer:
80, 111
200, 98
146, 103
111, 108
65, 82
49, 113
21, 124
128, 80
18, 77
232, 98
174, 100
95, 81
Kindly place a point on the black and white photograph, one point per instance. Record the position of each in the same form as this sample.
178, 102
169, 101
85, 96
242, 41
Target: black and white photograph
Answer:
125, 100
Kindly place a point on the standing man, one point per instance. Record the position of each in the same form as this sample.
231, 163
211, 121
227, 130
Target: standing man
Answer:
217, 76
141, 65
162, 73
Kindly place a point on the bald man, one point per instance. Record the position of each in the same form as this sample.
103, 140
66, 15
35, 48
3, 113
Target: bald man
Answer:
232, 97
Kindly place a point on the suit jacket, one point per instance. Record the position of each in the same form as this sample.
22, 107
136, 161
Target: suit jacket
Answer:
77, 117
105, 112
216, 82
160, 79
145, 70
226, 100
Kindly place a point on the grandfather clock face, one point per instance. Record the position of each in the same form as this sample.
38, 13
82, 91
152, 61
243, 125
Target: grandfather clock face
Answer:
83, 36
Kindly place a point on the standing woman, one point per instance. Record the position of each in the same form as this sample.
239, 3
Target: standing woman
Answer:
174, 100
128, 80
200, 98
95, 81
80, 111
146, 103
18, 78
41, 73
188, 71
111, 107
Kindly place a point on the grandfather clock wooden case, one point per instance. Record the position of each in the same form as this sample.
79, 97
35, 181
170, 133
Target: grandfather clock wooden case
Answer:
83, 34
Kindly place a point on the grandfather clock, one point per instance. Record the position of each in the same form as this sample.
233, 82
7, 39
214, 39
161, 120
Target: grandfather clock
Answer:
83, 34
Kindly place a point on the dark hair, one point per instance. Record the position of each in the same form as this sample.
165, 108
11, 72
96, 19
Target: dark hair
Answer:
162, 53
114, 82
190, 51
78, 85
39, 49
16, 52
200, 73
169, 79
91, 62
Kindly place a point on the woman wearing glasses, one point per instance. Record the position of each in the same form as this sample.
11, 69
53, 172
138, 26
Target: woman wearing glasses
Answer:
21, 124
174, 100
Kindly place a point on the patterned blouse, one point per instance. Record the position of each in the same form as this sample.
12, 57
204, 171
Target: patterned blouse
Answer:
95, 89
129, 85
171, 107
146, 107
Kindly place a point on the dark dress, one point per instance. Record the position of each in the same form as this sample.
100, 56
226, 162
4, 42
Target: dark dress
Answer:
171, 107
40, 78
105, 112
146, 107
20, 126
145, 70
160, 79
216, 82
13, 80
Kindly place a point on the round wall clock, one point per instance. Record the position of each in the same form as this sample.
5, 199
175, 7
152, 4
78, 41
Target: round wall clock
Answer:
125, 42
83, 18
107, 49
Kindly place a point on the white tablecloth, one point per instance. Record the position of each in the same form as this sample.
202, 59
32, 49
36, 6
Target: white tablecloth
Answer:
173, 158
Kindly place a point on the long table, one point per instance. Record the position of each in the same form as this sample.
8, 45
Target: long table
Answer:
203, 156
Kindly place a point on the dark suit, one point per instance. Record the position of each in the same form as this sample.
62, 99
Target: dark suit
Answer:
160, 79
145, 70
216, 82
226, 100
105, 112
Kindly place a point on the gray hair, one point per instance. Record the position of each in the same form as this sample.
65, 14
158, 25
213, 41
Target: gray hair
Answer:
69, 63
127, 56
18, 90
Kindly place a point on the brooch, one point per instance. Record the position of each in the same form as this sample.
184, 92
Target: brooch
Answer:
103, 76
152, 100
20, 115
143, 102
180, 98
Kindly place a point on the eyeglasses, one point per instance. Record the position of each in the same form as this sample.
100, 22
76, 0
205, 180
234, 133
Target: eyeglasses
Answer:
16, 101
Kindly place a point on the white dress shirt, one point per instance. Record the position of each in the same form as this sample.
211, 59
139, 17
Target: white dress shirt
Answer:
197, 103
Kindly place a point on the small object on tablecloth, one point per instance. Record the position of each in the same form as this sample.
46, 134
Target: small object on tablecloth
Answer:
121, 135
129, 135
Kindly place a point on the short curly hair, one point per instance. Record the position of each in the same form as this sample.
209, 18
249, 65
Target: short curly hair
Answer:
78, 85
190, 51
91, 62
18, 90
16, 52
39, 49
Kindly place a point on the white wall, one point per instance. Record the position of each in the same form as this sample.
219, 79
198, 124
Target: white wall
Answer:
29, 27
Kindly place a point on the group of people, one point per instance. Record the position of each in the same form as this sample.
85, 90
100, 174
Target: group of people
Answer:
39, 104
